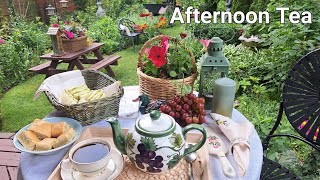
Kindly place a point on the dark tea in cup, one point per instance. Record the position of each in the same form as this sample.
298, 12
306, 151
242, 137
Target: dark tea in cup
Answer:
90, 153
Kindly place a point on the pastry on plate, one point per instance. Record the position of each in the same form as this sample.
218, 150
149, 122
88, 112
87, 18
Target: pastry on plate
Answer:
64, 138
59, 128
41, 128
45, 144
28, 139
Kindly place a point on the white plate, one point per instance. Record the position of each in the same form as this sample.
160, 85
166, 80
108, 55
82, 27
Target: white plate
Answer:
116, 164
71, 122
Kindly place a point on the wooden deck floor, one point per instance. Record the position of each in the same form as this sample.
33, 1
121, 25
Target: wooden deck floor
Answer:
9, 157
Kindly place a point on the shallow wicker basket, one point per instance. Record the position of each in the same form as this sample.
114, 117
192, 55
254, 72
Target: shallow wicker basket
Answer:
93, 111
72, 45
158, 88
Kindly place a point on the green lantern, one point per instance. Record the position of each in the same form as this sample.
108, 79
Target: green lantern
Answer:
213, 66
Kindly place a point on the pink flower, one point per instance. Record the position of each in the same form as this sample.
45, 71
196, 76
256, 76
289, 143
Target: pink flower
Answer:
1, 41
147, 51
55, 25
205, 42
165, 44
70, 35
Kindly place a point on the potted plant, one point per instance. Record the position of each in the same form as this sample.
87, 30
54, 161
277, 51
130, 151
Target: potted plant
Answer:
73, 36
165, 68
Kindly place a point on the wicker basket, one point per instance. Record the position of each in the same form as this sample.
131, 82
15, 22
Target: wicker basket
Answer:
72, 45
158, 88
93, 111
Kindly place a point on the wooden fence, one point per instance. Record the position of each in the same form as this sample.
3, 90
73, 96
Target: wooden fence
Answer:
30, 9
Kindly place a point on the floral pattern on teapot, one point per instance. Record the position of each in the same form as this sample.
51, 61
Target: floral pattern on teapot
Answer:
154, 155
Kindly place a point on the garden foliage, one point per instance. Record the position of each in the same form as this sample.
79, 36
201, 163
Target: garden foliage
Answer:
105, 30
259, 71
24, 41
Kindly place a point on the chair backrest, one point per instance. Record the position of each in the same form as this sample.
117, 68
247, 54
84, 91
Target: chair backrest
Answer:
125, 22
301, 97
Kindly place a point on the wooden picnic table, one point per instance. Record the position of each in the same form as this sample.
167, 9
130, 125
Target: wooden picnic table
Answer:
77, 59
9, 157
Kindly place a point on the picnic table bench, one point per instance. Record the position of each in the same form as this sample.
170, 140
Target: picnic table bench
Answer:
9, 157
77, 59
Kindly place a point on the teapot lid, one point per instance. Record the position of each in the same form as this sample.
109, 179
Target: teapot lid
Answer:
155, 124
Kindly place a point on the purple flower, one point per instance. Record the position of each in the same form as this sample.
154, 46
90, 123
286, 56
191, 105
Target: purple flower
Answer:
1, 41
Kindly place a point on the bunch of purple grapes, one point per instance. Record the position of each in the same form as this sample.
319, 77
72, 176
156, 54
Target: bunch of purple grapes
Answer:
148, 157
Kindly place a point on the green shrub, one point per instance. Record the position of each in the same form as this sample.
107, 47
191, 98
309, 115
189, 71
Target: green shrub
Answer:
105, 30
87, 16
227, 32
24, 42
293, 154
256, 72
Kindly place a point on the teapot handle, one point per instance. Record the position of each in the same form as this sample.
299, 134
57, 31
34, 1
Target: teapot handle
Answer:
202, 140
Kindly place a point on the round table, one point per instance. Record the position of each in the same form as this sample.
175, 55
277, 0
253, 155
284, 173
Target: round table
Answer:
40, 167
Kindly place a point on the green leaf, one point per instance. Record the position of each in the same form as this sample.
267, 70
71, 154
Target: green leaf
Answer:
173, 74
149, 143
176, 140
130, 141
176, 158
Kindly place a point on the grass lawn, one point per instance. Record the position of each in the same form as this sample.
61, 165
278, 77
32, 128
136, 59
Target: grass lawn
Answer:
19, 109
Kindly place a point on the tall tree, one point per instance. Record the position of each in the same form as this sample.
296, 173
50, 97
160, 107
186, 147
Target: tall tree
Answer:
41, 6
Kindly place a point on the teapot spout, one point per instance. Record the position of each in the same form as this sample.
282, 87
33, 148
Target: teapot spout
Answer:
118, 137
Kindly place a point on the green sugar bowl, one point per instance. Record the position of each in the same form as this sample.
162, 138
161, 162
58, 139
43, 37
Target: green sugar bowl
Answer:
156, 143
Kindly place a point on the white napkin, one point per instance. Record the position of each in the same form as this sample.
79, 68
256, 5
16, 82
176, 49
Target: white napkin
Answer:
128, 108
125, 28
57, 83
238, 134
112, 89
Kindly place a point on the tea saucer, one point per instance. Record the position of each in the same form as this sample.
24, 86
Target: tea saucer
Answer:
116, 165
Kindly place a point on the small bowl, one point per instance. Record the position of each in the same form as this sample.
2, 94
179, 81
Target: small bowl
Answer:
71, 122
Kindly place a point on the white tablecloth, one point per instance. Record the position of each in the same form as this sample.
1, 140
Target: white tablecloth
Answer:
33, 167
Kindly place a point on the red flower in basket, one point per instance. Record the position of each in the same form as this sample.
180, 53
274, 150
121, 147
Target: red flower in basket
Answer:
158, 56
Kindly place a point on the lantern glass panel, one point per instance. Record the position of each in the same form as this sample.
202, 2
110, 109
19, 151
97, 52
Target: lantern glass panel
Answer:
208, 82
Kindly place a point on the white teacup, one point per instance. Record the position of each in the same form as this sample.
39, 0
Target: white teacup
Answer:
88, 168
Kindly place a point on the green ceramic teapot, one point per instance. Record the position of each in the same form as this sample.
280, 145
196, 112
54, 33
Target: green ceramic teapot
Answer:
156, 143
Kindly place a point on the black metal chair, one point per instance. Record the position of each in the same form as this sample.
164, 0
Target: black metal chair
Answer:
134, 36
301, 104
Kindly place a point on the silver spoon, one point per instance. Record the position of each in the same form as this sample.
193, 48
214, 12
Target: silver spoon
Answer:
190, 158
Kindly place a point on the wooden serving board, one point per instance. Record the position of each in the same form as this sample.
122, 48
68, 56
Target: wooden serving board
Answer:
202, 161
